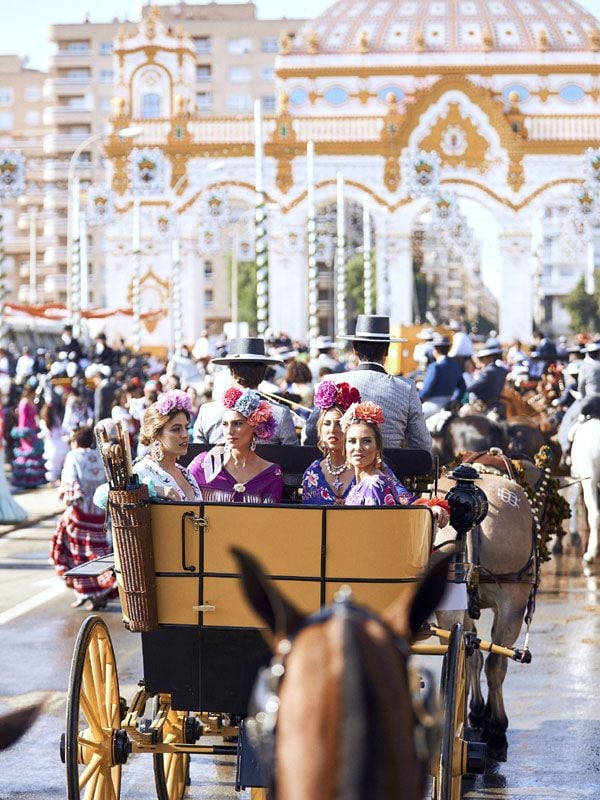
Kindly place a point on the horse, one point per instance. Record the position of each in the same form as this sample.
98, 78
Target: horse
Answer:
525, 439
585, 467
504, 546
345, 724
459, 434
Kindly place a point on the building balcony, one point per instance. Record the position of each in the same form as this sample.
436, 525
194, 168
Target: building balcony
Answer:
55, 200
14, 245
55, 226
64, 59
55, 283
55, 254
63, 142
64, 87
65, 115
57, 170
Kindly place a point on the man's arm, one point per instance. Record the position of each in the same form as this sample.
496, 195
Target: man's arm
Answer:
198, 434
428, 382
461, 388
287, 429
417, 434
309, 437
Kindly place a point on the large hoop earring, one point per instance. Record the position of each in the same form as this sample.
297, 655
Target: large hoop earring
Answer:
156, 451
253, 444
378, 461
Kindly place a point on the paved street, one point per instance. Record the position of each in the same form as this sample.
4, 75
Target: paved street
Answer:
553, 704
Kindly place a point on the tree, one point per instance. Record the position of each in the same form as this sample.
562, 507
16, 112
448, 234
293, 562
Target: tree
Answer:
354, 284
246, 291
583, 307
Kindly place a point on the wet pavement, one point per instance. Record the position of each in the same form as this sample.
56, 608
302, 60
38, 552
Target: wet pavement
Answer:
553, 704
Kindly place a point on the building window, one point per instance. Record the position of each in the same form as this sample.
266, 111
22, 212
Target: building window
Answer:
32, 94
239, 102
105, 48
270, 45
208, 269
239, 47
203, 73
571, 93
203, 44
267, 73
387, 90
204, 101
7, 96
76, 47
106, 75
298, 97
32, 117
337, 96
239, 74
79, 101
209, 297
521, 91
6, 120
150, 105
268, 102
105, 105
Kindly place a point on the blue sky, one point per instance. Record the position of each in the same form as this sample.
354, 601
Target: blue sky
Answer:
24, 29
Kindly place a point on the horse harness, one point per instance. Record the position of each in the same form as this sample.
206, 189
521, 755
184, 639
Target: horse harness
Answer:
261, 725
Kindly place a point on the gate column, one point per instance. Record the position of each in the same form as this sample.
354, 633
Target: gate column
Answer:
516, 288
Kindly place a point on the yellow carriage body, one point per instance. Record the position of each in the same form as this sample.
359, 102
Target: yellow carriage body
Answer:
208, 645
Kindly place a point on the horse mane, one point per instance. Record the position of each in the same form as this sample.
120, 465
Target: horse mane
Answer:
377, 754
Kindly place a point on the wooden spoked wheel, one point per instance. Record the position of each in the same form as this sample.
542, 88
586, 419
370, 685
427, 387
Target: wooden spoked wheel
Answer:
171, 770
454, 687
94, 748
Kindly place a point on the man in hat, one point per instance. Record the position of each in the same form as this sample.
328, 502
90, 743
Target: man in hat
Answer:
326, 358
587, 403
404, 421
444, 381
490, 381
247, 362
103, 354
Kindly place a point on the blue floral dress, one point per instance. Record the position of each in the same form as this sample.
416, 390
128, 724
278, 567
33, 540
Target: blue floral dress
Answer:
382, 489
316, 491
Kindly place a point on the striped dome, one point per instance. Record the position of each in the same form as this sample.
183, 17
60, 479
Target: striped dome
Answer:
395, 26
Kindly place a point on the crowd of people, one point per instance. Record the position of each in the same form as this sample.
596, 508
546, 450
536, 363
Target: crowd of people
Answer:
253, 391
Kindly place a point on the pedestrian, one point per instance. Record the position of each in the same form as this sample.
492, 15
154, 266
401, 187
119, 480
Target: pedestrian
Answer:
28, 468
55, 441
80, 535
10, 510
404, 421
444, 382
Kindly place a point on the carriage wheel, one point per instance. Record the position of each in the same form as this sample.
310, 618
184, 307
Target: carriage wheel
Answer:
171, 770
454, 688
94, 746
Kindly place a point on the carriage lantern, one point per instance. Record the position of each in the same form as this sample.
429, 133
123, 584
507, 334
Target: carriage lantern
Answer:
468, 507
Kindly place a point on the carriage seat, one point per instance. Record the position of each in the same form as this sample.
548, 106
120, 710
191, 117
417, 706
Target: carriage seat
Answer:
294, 461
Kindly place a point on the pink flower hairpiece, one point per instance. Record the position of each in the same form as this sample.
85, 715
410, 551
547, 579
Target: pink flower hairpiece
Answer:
362, 412
258, 412
329, 394
172, 400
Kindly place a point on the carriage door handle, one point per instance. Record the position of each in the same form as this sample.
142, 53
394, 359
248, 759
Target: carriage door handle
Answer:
198, 522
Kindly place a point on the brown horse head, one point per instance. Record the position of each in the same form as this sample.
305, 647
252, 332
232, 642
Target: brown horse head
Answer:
345, 726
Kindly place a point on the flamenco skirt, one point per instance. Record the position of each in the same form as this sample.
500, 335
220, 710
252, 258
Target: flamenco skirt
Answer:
78, 538
10, 510
28, 467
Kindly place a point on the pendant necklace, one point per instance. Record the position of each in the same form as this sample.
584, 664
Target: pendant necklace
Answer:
240, 487
335, 472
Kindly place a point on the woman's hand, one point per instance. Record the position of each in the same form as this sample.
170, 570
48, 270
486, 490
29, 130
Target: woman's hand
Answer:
442, 517
167, 493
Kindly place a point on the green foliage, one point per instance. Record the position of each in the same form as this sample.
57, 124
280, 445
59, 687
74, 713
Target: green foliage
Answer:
354, 284
246, 291
583, 307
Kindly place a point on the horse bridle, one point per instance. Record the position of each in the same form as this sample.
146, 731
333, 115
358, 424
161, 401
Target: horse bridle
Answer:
261, 724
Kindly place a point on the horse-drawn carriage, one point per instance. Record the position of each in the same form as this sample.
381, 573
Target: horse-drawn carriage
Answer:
202, 644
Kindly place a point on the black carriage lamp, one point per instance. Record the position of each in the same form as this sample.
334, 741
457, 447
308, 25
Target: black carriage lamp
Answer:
468, 507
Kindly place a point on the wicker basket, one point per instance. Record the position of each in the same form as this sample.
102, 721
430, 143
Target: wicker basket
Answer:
130, 517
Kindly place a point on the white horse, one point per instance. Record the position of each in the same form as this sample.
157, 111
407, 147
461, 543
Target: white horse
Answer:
585, 466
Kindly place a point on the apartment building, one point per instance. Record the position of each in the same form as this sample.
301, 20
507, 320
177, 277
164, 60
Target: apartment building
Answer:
235, 64
21, 130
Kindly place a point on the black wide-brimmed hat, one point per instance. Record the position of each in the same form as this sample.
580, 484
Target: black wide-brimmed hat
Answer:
372, 328
441, 339
246, 350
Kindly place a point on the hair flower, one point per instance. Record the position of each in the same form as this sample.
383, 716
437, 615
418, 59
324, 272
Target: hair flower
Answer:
362, 412
329, 394
172, 400
231, 396
258, 412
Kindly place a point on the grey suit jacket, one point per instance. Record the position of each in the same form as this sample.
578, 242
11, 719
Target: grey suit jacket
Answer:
588, 381
404, 421
208, 429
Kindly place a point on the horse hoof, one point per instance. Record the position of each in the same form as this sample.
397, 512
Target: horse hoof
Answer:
496, 753
557, 549
575, 539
